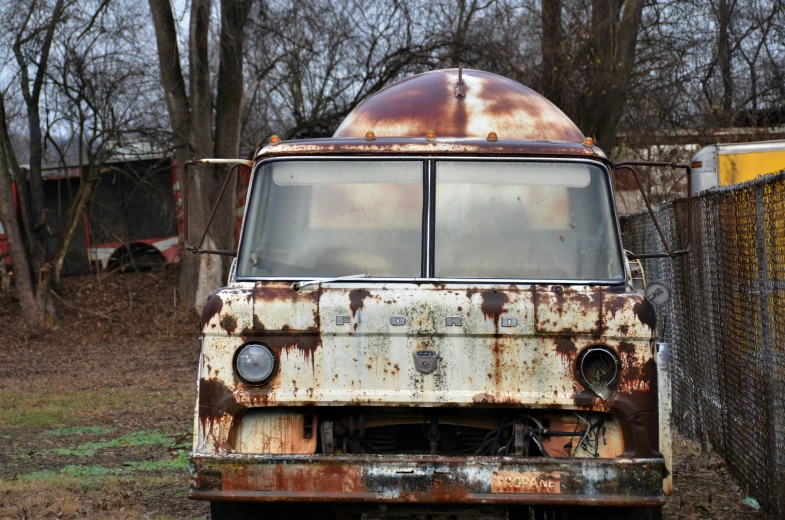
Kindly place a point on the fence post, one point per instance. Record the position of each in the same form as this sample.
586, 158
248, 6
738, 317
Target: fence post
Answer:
764, 291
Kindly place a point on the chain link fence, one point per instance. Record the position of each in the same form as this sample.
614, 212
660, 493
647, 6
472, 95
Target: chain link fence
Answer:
726, 324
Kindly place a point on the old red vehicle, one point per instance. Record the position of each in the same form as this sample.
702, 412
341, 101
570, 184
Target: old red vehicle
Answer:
431, 313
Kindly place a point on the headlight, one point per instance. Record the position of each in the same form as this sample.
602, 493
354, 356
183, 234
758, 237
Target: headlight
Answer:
598, 366
255, 363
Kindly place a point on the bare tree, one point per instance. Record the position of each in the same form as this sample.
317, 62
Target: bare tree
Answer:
32, 44
33, 293
89, 81
329, 56
552, 84
191, 115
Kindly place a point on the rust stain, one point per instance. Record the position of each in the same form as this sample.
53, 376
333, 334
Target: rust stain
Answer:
416, 105
565, 347
229, 323
644, 310
615, 303
413, 146
215, 399
212, 307
257, 323
493, 303
293, 478
357, 300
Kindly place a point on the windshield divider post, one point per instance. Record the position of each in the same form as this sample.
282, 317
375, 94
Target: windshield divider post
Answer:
425, 232
432, 218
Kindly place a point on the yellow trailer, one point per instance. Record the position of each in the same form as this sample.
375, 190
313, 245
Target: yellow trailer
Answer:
723, 164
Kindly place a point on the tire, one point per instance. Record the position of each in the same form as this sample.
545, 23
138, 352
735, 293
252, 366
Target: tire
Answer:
598, 513
267, 511
234, 510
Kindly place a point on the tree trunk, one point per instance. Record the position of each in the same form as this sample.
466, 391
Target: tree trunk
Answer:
611, 59
724, 59
32, 312
179, 110
552, 78
32, 95
72, 221
234, 15
16, 174
199, 69
192, 123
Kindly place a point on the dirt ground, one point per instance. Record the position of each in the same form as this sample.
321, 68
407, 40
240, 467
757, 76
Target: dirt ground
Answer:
96, 415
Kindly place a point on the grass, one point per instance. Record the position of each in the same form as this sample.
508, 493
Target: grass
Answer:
79, 430
86, 473
179, 462
132, 439
70, 408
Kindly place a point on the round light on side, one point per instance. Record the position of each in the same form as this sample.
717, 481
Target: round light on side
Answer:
598, 366
255, 363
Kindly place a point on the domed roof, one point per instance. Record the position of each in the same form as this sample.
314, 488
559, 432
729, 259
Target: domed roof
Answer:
485, 103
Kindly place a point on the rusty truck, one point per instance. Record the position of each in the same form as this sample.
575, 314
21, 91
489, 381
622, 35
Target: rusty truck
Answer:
431, 313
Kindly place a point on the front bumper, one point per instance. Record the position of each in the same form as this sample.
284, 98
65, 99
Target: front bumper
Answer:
427, 479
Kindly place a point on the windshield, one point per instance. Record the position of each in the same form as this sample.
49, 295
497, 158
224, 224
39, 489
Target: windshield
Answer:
533, 220
334, 218
488, 220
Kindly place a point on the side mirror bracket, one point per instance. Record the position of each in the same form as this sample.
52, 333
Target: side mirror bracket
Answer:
236, 163
632, 166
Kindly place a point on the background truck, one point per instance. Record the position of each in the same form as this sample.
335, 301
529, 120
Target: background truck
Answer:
724, 164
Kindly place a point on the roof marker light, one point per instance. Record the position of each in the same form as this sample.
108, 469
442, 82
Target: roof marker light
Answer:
275, 139
430, 135
492, 136
588, 142
370, 136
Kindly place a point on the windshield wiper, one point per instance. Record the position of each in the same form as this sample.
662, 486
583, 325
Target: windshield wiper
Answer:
299, 285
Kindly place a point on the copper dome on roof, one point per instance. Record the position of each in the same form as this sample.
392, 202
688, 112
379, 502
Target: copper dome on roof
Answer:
484, 103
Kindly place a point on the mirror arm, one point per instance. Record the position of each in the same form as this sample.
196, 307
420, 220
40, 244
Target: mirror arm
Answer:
632, 166
198, 247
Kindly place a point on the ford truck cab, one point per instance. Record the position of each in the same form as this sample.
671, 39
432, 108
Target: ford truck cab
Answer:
431, 313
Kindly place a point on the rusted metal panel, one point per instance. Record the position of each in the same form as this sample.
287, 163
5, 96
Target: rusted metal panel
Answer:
574, 310
292, 478
421, 146
428, 479
362, 352
612, 444
627, 314
472, 105
274, 431
277, 307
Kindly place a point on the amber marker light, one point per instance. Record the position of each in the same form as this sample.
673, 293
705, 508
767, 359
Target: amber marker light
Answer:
370, 136
492, 136
588, 142
696, 164
430, 135
275, 139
